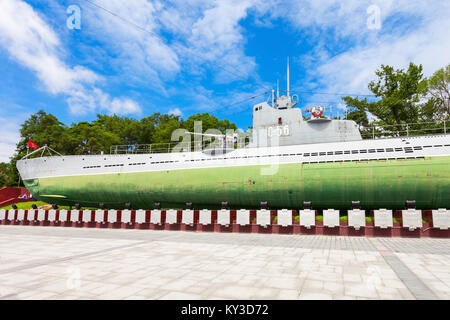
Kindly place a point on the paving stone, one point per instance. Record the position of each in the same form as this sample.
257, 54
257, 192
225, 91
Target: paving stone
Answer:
144, 264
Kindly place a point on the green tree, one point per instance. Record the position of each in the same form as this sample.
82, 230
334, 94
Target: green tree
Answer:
43, 128
438, 105
165, 125
5, 175
399, 92
359, 116
91, 138
208, 122
127, 129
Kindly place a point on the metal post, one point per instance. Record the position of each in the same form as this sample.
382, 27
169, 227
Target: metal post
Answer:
407, 130
445, 128
373, 132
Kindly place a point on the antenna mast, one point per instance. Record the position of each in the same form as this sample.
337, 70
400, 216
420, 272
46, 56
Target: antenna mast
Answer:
288, 77
278, 91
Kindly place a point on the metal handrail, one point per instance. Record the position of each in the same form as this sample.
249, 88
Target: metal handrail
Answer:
373, 132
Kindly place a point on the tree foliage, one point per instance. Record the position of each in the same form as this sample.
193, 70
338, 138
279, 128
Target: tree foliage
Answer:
399, 93
100, 134
438, 105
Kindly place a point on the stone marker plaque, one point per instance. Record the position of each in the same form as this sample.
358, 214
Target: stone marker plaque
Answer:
31, 214
205, 217
331, 218
63, 215
112, 216
74, 215
187, 217
140, 216
441, 219
383, 218
263, 217
52, 215
412, 219
21, 215
307, 218
171, 216
11, 214
223, 217
243, 217
356, 218
126, 216
41, 215
99, 216
86, 217
155, 216
284, 217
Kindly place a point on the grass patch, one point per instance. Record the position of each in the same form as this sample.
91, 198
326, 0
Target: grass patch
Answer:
319, 218
343, 218
296, 218
26, 205
369, 219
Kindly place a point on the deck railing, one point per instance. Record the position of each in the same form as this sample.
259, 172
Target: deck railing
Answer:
374, 132
404, 130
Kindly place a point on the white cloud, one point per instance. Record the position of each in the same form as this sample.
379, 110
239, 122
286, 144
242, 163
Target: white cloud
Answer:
217, 36
412, 31
10, 134
123, 106
34, 44
176, 112
132, 41
352, 70
201, 32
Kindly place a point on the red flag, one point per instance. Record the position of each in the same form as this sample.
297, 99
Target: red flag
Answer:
33, 145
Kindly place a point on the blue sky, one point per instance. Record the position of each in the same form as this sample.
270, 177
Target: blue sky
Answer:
202, 56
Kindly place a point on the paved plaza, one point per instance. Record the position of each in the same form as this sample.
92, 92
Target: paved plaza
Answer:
73, 263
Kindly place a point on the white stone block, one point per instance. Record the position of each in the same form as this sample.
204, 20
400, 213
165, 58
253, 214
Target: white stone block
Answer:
263, 217
112, 216
223, 217
140, 216
307, 218
171, 216
383, 218
205, 217
284, 217
243, 217
155, 216
331, 218
63, 215
86, 217
356, 218
441, 219
11, 214
99, 215
31, 214
2, 214
74, 214
187, 217
21, 215
126, 216
52, 215
41, 215
412, 219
